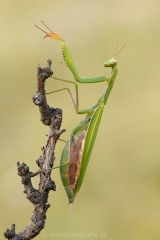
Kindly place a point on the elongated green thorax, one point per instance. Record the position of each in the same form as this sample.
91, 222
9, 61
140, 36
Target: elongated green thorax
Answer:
111, 83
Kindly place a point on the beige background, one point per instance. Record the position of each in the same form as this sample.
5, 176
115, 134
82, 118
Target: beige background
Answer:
120, 195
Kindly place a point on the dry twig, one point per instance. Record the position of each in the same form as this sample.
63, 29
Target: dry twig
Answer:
51, 117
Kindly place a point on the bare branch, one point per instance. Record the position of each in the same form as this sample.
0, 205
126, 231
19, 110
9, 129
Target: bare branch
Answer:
51, 117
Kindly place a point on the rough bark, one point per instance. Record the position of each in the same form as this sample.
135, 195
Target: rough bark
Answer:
51, 117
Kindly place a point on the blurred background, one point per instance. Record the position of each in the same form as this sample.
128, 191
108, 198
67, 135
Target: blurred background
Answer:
120, 195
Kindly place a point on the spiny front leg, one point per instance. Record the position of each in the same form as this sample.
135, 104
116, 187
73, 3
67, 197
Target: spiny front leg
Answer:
69, 61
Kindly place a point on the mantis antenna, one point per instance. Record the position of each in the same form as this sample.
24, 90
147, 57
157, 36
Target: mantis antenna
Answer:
115, 55
116, 49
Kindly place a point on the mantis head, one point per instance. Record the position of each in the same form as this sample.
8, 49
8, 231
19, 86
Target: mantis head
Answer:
110, 63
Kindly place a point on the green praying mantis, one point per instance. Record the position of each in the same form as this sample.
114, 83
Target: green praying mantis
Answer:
77, 150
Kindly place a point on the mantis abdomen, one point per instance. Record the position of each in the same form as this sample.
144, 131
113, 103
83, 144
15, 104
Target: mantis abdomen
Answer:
77, 152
